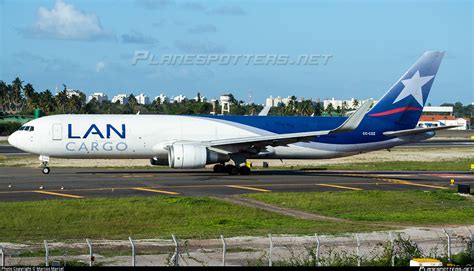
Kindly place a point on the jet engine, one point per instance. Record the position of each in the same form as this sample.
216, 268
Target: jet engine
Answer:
155, 161
190, 155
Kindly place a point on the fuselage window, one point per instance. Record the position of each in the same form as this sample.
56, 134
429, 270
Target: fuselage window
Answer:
32, 128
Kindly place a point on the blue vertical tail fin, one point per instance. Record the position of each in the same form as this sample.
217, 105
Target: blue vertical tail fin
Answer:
400, 108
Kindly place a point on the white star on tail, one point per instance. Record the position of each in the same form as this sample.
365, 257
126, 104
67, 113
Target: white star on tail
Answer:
413, 87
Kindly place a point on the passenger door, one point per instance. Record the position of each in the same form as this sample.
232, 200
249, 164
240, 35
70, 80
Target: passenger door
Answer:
57, 131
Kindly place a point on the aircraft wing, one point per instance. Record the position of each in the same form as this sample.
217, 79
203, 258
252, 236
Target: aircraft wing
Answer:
256, 143
416, 131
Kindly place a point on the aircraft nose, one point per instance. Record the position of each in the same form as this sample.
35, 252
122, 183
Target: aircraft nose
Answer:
13, 139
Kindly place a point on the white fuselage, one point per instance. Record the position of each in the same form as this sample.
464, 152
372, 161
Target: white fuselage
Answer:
146, 136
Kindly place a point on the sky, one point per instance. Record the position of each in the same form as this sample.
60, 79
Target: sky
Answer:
358, 48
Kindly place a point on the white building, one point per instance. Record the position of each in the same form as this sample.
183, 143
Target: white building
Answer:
121, 98
277, 101
438, 110
99, 96
162, 97
142, 99
444, 120
180, 98
72, 92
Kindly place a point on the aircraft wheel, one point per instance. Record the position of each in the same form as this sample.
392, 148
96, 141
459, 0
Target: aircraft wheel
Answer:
45, 170
219, 168
231, 169
244, 170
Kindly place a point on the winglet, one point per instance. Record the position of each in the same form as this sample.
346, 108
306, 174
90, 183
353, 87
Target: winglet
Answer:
354, 120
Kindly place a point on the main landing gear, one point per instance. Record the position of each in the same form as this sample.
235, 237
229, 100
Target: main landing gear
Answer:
44, 164
231, 169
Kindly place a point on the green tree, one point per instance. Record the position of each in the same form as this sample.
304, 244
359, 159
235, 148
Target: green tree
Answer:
46, 101
3, 96
17, 86
132, 103
29, 94
61, 99
355, 103
330, 108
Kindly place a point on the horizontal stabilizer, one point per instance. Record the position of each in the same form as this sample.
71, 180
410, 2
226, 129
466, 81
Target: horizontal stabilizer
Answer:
417, 131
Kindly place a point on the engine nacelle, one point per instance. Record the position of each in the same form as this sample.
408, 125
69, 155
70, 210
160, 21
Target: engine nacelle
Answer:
155, 161
189, 155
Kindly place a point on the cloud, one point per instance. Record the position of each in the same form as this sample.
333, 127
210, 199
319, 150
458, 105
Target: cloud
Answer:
197, 47
99, 66
193, 6
202, 28
228, 10
138, 37
155, 4
65, 22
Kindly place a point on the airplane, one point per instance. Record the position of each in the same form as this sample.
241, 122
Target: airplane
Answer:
228, 141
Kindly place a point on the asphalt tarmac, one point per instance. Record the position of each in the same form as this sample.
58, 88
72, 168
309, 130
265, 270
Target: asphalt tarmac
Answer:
27, 184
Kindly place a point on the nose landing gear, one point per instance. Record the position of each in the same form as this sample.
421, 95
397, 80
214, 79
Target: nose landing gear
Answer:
45, 170
44, 164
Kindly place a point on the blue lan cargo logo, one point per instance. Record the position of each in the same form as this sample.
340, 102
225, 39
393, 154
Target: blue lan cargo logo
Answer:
109, 132
94, 130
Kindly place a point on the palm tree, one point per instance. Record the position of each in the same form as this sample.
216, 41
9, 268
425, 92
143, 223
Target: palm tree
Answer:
330, 108
3, 95
132, 102
355, 103
29, 93
306, 108
46, 101
62, 99
17, 85
344, 107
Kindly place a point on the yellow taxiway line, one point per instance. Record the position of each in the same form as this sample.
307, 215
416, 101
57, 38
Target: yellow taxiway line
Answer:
59, 194
155, 191
410, 183
340, 186
249, 188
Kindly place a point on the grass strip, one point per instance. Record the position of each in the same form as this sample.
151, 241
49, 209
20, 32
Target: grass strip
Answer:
402, 207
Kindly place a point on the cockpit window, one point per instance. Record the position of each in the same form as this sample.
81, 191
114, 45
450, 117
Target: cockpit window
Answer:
26, 128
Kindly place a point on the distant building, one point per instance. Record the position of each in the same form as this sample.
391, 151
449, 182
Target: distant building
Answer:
444, 120
439, 110
99, 96
142, 99
121, 98
162, 97
180, 98
72, 92
277, 101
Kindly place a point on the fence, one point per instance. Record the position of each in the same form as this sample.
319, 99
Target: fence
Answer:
350, 249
